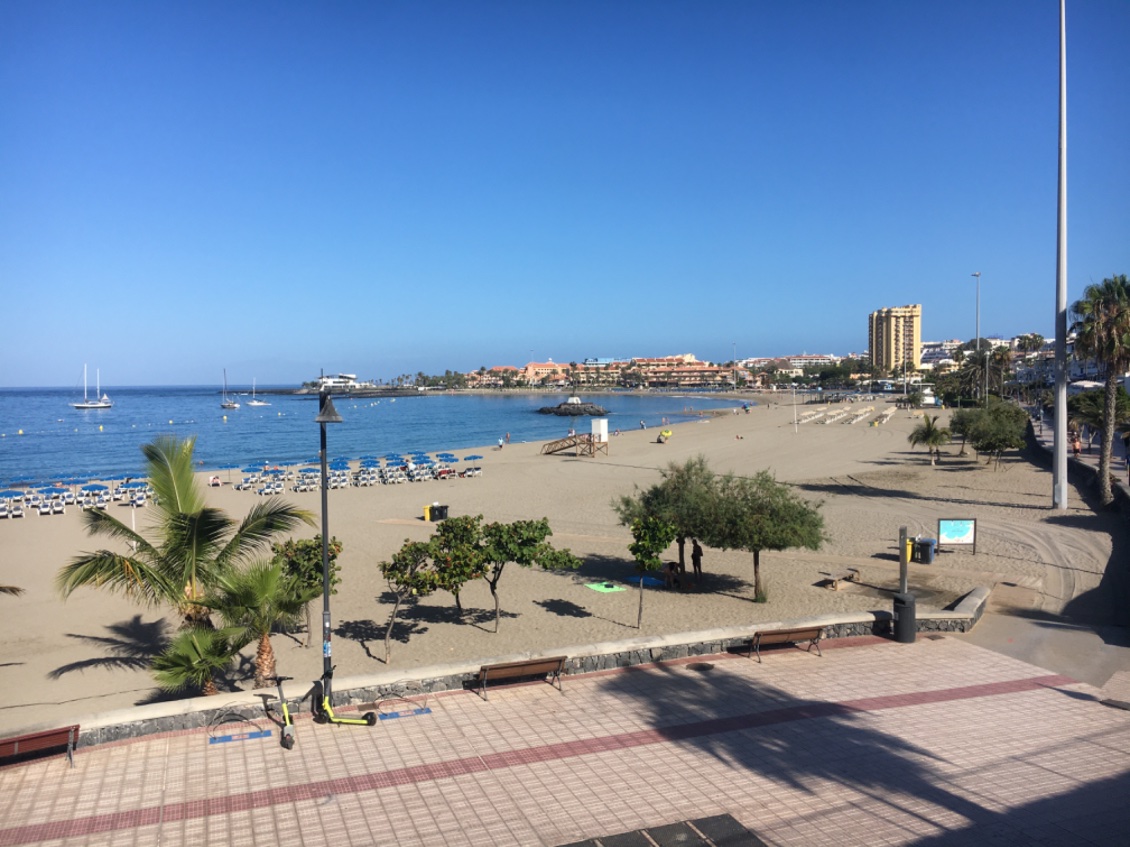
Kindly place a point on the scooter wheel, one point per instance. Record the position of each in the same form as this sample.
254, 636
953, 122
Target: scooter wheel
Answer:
371, 718
288, 742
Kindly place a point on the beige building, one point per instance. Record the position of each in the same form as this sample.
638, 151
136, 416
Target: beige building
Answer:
894, 336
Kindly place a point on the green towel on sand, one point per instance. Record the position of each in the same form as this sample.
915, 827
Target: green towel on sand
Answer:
604, 587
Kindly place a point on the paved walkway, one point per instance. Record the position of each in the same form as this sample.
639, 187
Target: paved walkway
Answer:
939, 742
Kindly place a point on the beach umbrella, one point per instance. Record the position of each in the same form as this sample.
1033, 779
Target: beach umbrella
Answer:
53, 491
472, 457
310, 471
11, 494
120, 476
274, 472
253, 469
95, 486
15, 482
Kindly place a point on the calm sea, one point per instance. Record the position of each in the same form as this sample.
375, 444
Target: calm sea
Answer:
43, 439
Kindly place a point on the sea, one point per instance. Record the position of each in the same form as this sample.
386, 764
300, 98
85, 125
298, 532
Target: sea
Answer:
43, 440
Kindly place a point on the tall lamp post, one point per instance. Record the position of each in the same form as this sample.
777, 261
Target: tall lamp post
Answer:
977, 341
327, 414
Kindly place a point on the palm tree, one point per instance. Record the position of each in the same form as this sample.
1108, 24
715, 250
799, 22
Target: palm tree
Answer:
931, 435
193, 659
255, 601
192, 544
13, 590
1102, 332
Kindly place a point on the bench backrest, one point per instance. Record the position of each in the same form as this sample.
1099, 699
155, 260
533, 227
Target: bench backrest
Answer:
782, 636
34, 742
506, 670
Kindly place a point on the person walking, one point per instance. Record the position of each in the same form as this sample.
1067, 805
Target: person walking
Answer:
696, 558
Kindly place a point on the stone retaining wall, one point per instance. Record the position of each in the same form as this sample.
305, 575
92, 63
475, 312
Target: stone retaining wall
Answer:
199, 712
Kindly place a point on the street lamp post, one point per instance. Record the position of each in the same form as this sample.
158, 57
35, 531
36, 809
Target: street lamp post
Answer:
977, 341
327, 414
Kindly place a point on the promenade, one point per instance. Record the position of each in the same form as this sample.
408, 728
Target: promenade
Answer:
938, 742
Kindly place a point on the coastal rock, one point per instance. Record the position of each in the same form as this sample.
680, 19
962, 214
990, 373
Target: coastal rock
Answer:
573, 407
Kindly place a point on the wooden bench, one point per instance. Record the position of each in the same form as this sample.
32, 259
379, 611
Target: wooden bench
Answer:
811, 634
849, 575
550, 668
22, 747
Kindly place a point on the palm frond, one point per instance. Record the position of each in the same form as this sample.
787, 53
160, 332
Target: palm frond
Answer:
262, 523
128, 575
172, 475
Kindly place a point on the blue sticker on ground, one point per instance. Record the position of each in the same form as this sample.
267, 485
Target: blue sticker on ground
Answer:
409, 714
242, 736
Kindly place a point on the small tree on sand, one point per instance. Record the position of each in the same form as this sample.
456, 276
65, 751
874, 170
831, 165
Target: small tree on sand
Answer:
931, 435
193, 659
998, 427
301, 561
758, 513
410, 574
651, 536
523, 543
253, 602
683, 498
456, 554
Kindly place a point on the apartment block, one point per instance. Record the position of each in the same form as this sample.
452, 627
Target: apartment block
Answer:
894, 336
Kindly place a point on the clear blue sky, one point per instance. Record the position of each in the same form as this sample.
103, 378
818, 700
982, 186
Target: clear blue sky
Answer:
383, 188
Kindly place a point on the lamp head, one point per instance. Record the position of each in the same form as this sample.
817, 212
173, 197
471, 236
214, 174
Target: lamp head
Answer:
328, 413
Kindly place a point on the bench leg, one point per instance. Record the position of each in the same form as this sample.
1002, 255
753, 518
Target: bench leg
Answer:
815, 643
72, 742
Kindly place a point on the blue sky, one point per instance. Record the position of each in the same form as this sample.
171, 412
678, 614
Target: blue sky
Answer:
384, 188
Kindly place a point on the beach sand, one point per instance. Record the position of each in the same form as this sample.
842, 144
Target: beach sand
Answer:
63, 660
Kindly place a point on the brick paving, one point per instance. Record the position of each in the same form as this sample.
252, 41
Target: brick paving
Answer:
939, 742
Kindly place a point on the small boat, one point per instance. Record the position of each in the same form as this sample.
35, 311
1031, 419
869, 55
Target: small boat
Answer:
102, 402
253, 401
226, 403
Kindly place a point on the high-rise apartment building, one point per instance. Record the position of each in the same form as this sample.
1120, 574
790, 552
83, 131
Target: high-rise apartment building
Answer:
894, 336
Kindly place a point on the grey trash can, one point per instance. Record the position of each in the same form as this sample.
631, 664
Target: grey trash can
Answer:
927, 547
906, 623
439, 513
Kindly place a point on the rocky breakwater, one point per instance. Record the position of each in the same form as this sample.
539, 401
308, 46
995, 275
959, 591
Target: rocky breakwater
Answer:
573, 407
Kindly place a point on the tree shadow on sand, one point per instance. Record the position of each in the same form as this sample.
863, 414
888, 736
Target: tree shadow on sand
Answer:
564, 608
806, 745
367, 632
131, 645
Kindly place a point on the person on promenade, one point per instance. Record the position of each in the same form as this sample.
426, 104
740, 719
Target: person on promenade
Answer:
696, 558
1076, 444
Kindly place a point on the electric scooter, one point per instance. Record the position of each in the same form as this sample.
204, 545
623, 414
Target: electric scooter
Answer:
287, 739
323, 710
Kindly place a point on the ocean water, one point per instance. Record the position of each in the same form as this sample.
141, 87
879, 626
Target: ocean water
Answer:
43, 439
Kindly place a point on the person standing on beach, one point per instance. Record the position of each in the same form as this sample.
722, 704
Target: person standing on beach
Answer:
508, 438
500, 442
696, 558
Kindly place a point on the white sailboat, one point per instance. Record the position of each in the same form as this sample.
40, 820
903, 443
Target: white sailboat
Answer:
227, 403
253, 401
102, 402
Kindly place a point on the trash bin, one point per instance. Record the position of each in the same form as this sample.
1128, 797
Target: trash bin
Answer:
906, 623
927, 547
439, 513
427, 513
910, 551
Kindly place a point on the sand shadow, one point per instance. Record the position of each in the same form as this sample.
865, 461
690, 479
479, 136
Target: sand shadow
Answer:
564, 608
368, 631
131, 646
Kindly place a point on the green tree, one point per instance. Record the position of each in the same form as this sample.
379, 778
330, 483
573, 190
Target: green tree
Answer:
932, 436
684, 497
758, 513
192, 544
650, 537
409, 574
194, 658
523, 543
253, 602
997, 427
1102, 332
301, 561
456, 554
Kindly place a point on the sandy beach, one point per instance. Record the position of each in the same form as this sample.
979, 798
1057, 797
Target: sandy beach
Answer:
61, 661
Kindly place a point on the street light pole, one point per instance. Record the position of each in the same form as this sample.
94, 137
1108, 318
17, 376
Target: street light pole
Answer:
977, 340
326, 414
